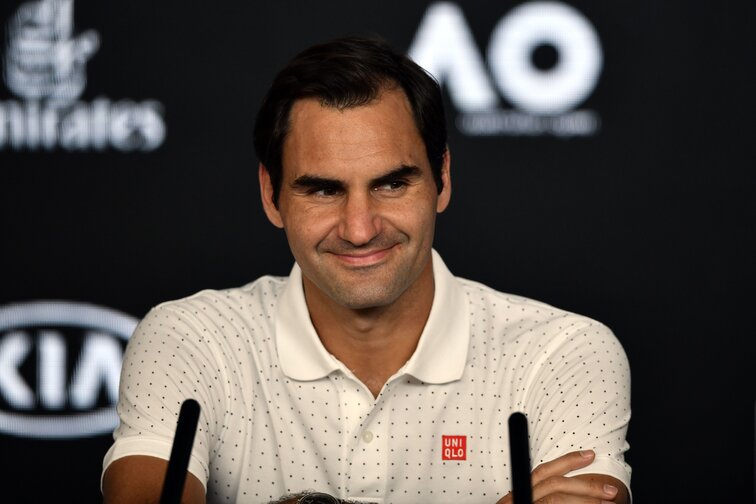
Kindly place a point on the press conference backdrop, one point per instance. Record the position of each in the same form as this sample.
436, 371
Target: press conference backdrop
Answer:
602, 159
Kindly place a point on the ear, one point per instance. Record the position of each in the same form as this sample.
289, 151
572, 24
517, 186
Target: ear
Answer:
266, 193
445, 194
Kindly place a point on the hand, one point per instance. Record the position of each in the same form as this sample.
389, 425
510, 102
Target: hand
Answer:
550, 485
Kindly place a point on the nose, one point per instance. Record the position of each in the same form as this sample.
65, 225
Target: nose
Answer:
359, 222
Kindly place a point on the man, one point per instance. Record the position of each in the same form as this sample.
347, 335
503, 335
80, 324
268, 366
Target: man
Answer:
370, 373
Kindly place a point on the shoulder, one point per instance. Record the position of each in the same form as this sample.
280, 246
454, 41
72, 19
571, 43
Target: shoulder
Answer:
529, 322
481, 294
213, 315
259, 295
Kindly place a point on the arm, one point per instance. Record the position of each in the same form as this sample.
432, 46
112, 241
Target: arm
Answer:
139, 479
550, 483
580, 400
163, 355
578, 407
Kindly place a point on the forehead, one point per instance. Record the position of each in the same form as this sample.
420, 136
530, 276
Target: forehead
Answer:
324, 140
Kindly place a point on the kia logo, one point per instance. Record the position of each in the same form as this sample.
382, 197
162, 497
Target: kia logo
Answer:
60, 364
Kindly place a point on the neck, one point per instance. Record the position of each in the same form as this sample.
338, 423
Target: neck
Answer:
374, 343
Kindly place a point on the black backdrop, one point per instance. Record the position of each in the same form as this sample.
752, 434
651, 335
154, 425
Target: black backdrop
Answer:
647, 224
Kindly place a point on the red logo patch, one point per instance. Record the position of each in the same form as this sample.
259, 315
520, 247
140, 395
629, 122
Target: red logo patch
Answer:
453, 447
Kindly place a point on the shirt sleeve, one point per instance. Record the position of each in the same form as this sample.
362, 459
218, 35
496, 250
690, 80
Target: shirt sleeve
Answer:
168, 359
580, 399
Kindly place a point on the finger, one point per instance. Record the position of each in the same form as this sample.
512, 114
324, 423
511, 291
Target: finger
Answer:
592, 489
562, 465
507, 499
570, 499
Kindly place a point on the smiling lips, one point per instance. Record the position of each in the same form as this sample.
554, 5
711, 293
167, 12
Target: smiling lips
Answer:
364, 258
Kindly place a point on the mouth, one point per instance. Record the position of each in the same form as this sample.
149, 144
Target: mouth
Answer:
364, 258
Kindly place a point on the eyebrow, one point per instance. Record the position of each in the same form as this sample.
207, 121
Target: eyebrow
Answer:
314, 182
404, 171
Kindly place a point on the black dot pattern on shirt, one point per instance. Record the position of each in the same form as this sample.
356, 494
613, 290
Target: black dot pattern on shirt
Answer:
263, 434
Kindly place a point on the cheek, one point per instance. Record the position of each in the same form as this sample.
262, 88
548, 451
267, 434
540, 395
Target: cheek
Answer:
307, 226
414, 219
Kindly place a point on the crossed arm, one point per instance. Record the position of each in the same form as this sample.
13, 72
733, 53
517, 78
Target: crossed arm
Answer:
139, 479
551, 486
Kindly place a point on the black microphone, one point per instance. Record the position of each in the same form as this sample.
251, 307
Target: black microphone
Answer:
178, 463
519, 453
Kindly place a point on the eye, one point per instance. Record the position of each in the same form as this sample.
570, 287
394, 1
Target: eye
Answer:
324, 191
391, 186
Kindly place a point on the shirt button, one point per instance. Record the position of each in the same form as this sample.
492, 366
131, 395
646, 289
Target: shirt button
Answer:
367, 436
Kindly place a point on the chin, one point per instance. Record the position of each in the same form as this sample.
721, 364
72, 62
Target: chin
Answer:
364, 299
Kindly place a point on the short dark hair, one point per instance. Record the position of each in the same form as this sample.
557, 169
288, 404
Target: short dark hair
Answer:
344, 73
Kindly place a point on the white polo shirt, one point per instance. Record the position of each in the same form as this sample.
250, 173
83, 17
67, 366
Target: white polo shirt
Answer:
281, 415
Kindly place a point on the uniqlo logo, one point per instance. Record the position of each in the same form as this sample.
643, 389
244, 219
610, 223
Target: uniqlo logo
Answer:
453, 447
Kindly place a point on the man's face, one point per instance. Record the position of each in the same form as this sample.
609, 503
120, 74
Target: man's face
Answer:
358, 200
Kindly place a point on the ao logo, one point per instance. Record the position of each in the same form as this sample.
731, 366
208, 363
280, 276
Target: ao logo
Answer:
445, 47
56, 360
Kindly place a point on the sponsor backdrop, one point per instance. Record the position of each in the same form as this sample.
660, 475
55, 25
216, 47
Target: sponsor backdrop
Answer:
602, 162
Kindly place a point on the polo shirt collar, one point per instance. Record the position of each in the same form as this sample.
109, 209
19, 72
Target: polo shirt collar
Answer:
440, 355
300, 352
